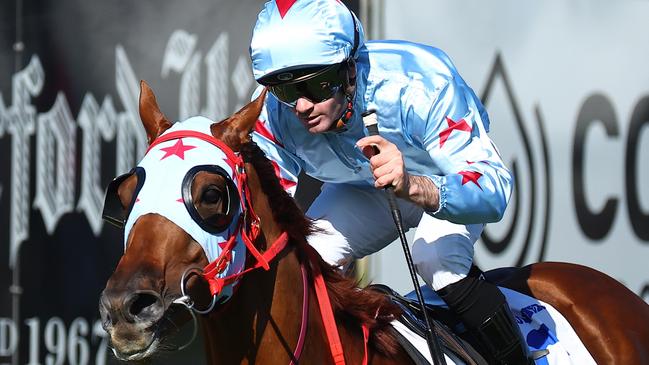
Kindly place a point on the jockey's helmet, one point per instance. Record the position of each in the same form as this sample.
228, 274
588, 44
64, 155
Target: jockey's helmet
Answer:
299, 47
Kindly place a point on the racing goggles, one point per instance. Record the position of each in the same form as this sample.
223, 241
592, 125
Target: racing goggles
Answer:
316, 84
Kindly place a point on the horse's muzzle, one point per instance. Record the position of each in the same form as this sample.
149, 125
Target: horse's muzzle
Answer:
130, 318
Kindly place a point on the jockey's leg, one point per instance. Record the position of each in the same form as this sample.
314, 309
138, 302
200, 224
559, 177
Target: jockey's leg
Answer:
443, 254
356, 222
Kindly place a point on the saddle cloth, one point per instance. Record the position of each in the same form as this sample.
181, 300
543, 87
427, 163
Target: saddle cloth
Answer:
542, 326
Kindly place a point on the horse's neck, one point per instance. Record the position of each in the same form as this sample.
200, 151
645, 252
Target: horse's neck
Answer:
262, 317
262, 322
264, 313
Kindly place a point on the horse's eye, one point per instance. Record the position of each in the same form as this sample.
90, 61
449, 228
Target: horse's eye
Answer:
211, 195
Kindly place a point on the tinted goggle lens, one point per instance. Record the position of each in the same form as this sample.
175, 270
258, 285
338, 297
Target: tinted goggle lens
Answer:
316, 88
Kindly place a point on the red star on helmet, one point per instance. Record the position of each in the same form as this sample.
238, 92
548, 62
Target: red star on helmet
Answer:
283, 6
471, 176
178, 149
462, 125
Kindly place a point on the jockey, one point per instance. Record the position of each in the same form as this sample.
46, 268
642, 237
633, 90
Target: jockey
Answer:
433, 149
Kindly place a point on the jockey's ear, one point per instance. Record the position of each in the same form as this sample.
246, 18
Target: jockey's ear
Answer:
235, 130
155, 123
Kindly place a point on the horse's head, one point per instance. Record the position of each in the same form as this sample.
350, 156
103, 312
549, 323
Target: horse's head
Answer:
180, 209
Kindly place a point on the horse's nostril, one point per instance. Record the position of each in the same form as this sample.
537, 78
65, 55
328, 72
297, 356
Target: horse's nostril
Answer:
144, 306
142, 301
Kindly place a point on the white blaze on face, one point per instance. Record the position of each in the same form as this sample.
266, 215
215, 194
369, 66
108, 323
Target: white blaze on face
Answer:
165, 166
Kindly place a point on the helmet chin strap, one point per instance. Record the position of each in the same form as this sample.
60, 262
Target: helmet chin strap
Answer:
341, 125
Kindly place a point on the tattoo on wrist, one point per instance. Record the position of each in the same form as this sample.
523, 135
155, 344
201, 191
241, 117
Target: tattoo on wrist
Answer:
424, 192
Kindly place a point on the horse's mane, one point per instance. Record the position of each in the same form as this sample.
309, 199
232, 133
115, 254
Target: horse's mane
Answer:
358, 306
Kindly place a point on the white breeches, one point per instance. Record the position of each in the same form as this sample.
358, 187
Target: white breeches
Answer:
357, 222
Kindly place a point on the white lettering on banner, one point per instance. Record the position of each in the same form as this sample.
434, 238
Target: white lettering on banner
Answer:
55, 163
131, 137
180, 48
98, 124
217, 81
179, 52
2, 127
56, 132
20, 117
72, 345
189, 93
8, 337
2, 119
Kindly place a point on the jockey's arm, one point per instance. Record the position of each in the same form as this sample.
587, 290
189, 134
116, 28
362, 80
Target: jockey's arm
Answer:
475, 185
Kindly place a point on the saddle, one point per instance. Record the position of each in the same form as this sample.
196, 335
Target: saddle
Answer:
455, 340
448, 328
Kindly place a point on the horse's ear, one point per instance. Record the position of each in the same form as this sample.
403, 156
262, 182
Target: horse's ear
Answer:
235, 130
244, 120
155, 123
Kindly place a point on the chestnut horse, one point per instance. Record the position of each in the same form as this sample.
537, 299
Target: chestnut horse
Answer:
273, 314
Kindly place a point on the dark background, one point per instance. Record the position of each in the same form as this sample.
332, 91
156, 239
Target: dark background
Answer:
62, 275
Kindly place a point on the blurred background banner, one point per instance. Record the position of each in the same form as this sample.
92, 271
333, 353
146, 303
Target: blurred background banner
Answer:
566, 85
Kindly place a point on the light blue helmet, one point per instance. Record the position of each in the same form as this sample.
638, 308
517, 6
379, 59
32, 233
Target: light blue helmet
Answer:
295, 33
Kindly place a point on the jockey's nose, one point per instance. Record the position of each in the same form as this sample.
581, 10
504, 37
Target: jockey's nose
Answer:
143, 306
303, 107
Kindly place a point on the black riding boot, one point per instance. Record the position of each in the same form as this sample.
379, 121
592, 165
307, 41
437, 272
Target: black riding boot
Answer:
486, 315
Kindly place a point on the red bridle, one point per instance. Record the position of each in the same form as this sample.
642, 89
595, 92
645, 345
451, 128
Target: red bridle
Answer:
248, 236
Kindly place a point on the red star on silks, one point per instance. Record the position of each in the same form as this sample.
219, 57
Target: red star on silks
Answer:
283, 6
177, 149
180, 200
286, 183
472, 176
260, 128
462, 125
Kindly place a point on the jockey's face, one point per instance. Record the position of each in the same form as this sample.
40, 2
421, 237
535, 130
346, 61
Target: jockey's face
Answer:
319, 117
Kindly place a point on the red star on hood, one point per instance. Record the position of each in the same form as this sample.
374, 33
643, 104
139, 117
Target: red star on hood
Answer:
462, 125
231, 164
177, 149
472, 176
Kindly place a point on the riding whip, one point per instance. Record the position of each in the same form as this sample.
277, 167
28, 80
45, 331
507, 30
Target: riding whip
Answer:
434, 346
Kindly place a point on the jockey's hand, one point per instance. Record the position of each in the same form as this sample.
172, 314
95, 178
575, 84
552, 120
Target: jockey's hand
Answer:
389, 169
387, 165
